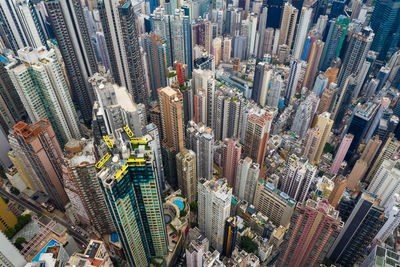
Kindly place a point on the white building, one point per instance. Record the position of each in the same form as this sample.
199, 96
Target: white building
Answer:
393, 214
302, 30
246, 179
386, 181
214, 204
9, 255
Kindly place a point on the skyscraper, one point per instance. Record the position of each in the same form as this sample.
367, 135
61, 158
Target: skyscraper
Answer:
297, 178
314, 148
214, 198
355, 55
313, 62
171, 101
187, 175
338, 189
275, 10
51, 99
80, 164
257, 135
288, 25
200, 139
363, 163
302, 30
230, 158
230, 233
123, 47
293, 80
70, 27
156, 50
304, 115
39, 144
313, 228
133, 198
386, 182
10, 255
363, 224
384, 22
246, 180
341, 153
334, 41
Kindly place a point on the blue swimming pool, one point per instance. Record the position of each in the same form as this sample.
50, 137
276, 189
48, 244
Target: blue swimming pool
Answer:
50, 244
179, 203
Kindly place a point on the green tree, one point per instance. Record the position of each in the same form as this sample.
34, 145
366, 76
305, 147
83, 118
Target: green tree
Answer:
14, 190
18, 242
10, 232
193, 206
247, 244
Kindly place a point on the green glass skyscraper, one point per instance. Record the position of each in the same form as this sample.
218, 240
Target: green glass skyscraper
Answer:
133, 197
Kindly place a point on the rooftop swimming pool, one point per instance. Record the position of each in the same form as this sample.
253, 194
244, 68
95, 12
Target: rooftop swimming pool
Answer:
50, 244
179, 203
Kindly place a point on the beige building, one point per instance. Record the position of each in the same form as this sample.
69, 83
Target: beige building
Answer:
171, 101
340, 185
362, 164
187, 177
273, 203
288, 25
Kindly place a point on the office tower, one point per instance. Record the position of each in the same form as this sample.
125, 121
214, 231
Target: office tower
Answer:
138, 216
364, 222
313, 62
230, 117
230, 233
275, 9
358, 47
363, 163
70, 28
80, 164
302, 30
7, 218
230, 158
314, 227
321, 82
273, 203
214, 200
114, 108
200, 139
297, 177
246, 180
338, 189
160, 26
10, 255
156, 51
304, 115
172, 117
259, 49
187, 177
334, 41
51, 98
257, 134
385, 183
39, 144
384, 22
325, 101
293, 80
341, 153
11, 107
123, 47
313, 150
268, 40
359, 123
288, 25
